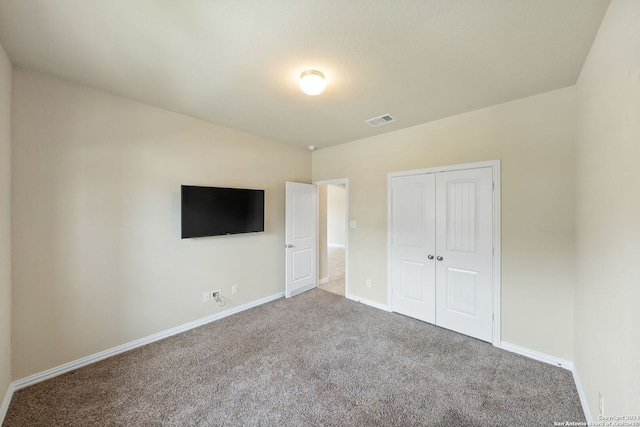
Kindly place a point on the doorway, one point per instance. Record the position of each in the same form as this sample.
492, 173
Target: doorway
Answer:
333, 236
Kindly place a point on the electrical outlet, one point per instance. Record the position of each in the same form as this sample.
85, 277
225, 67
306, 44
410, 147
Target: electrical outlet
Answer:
205, 297
601, 404
215, 295
368, 283
234, 289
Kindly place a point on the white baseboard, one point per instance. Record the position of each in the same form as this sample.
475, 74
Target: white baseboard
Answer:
59, 370
374, 304
5, 403
582, 395
536, 355
323, 280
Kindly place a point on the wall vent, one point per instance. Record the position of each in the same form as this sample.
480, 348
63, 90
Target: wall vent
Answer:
382, 120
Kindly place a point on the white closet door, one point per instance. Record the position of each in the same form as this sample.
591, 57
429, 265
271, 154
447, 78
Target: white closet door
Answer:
413, 244
464, 266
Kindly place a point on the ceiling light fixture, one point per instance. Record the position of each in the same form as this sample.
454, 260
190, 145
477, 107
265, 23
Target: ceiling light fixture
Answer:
312, 82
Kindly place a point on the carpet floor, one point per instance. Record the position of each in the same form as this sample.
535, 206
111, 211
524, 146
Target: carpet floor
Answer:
314, 360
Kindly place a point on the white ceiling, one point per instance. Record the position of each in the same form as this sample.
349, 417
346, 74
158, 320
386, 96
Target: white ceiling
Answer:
236, 62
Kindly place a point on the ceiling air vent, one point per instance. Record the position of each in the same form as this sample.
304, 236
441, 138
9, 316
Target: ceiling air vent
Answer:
382, 120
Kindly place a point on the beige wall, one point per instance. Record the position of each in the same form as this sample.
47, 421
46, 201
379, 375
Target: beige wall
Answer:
96, 185
607, 352
534, 139
335, 215
5, 223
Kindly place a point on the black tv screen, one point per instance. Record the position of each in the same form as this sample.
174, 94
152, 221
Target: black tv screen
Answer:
215, 211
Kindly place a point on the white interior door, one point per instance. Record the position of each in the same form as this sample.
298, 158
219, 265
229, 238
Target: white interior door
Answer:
450, 215
464, 266
301, 238
413, 246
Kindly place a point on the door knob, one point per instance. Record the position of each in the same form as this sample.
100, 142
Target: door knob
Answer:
288, 246
430, 256
439, 258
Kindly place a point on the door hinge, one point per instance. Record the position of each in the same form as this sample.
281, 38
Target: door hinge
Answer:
493, 185
493, 317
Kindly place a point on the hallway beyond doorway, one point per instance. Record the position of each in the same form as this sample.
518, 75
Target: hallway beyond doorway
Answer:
336, 271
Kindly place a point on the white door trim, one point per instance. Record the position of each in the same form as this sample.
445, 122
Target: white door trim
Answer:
495, 167
344, 181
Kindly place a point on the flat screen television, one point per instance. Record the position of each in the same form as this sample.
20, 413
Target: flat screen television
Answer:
216, 211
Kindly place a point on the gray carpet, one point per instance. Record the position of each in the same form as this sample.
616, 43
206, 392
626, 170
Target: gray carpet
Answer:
313, 360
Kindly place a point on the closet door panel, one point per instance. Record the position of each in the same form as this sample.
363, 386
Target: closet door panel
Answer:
464, 249
413, 242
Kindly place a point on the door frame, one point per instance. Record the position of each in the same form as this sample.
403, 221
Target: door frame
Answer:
495, 167
344, 181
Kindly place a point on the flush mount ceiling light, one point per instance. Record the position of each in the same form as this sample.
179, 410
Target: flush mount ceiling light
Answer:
312, 82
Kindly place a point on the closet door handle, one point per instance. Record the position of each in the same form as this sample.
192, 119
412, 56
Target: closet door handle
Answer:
439, 258
430, 256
